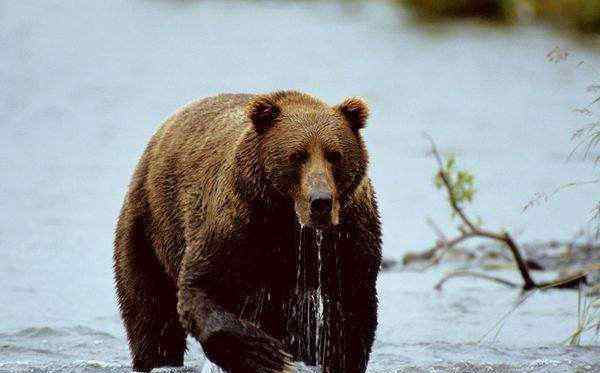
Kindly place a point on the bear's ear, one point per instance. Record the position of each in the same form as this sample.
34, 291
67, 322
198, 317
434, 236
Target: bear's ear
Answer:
262, 111
356, 112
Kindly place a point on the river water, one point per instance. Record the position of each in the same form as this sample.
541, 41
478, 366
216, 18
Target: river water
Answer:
85, 84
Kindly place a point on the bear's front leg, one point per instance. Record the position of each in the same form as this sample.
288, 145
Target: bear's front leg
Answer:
208, 275
239, 346
350, 315
354, 261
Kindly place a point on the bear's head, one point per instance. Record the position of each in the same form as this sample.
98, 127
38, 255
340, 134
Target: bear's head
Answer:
307, 152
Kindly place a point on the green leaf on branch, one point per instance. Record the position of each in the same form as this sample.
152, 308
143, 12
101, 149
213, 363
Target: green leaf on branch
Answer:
461, 182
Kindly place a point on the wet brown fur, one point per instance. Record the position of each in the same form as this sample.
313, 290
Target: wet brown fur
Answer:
210, 225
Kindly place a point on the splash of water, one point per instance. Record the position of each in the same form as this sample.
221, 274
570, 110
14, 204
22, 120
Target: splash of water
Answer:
210, 367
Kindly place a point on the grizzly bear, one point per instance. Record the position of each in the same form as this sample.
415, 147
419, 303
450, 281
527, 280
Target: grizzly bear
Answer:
251, 224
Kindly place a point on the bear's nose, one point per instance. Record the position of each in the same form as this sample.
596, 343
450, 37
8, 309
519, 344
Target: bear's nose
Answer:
320, 203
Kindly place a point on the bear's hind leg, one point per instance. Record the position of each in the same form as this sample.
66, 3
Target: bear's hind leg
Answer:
147, 300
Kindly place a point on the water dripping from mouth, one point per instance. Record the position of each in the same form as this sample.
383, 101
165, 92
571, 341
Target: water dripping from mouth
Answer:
307, 309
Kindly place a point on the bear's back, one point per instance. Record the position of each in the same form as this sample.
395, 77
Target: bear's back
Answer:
200, 135
211, 116
183, 166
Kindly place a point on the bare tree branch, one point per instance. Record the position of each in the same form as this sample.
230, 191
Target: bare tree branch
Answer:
470, 230
462, 273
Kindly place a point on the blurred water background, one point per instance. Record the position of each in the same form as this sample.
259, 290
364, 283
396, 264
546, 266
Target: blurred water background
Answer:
85, 84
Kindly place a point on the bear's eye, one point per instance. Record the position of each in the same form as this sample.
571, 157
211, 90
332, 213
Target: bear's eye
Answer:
333, 156
299, 157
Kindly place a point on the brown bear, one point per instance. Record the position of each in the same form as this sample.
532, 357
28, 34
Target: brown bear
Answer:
251, 224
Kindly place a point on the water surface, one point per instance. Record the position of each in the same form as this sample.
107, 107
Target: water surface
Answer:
85, 84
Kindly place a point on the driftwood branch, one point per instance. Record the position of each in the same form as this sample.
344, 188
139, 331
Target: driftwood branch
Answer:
435, 254
470, 230
462, 273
